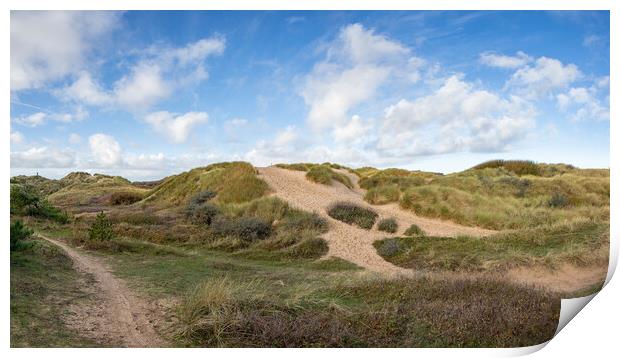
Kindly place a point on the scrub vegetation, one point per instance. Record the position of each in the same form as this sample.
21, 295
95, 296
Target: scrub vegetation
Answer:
239, 267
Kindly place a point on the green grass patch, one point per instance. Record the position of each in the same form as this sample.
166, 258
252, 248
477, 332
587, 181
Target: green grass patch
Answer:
582, 243
383, 194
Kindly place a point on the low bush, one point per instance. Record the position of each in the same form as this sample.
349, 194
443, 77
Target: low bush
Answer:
24, 201
388, 225
244, 228
202, 214
414, 230
101, 229
557, 200
19, 234
353, 214
125, 198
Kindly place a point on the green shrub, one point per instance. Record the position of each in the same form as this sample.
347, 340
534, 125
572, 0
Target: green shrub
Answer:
414, 230
388, 225
244, 228
353, 214
19, 233
202, 197
24, 201
101, 229
383, 194
557, 200
389, 247
202, 214
124, 198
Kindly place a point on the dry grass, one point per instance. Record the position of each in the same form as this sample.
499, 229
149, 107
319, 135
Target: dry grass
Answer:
234, 182
579, 243
367, 313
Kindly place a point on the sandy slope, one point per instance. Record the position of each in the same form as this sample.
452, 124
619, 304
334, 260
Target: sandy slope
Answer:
118, 317
347, 241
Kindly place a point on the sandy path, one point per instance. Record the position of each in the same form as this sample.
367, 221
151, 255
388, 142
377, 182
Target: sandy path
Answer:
118, 316
346, 241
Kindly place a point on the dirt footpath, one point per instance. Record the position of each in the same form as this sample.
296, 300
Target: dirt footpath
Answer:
118, 317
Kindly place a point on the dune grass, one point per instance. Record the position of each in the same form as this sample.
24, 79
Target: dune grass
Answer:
496, 194
234, 182
579, 243
383, 194
323, 174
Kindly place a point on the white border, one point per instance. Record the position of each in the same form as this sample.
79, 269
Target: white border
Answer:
593, 331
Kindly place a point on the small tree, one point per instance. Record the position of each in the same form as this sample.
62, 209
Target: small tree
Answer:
101, 229
19, 233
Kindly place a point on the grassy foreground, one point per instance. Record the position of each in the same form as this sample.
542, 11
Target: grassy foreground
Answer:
43, 284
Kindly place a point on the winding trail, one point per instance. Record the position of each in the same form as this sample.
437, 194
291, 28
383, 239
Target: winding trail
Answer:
346, 241
118, 316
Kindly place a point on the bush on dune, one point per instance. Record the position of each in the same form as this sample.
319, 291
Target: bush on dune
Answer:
388, 225
353, 214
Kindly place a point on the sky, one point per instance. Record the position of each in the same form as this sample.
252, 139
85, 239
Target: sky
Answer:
146, 94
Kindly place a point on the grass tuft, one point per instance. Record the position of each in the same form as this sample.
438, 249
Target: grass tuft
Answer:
388, 225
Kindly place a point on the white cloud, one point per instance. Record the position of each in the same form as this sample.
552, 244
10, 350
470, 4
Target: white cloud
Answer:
175, 127
283, 148
75, 138
146, 161
32, 120
544, 77
503, 61
87, 91
234, 124
583, 104
39, 118
591, 40
455, 117
154, 77
331, 95
49, 45
354, 130
16, 138
140, 89
105, 150
357, 63
42, 157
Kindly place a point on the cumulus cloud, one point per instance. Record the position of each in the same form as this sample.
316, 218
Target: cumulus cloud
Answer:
357, 63
42, 157
455, 117
49, 45
583, 104
282, 148
154, 77
503, 61
353, 130
16, 138
542, 78
175, 127
105, 150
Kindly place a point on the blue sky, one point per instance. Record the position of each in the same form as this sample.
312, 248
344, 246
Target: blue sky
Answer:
145, 94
